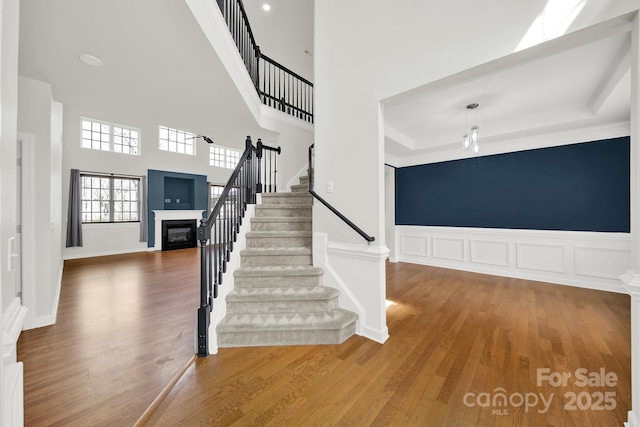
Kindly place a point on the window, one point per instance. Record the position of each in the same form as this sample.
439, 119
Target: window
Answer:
223, 157
215, 191
110, 199
110, 137
177, 141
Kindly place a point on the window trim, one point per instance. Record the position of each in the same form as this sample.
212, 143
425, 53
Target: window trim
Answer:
188, 135
111, 136
227, 156
112, 200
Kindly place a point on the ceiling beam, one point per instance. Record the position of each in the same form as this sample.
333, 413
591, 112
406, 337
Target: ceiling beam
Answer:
398, 137
619, 67
600, 31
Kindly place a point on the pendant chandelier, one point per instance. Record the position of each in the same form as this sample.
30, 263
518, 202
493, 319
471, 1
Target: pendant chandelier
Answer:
472, 139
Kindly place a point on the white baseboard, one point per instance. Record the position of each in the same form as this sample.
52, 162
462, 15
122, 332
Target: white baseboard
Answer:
345, 268
107, 253
228, 282
50, 319
582, 259
295, 179
380, 336
13, 321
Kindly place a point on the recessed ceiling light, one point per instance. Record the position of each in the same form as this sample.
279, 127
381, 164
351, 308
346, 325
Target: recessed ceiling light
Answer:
266, 7
94, 61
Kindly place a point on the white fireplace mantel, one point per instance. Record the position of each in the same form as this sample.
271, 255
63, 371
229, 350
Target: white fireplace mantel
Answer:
161, 215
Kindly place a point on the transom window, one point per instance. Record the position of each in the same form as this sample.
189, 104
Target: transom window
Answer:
215, 191
177, 141
110, 199
223, 157
103, 136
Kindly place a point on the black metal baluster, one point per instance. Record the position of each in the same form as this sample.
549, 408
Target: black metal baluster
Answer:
270, 160
275, 171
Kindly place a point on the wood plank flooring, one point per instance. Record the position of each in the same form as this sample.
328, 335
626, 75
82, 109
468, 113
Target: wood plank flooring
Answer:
124, 328
460, 344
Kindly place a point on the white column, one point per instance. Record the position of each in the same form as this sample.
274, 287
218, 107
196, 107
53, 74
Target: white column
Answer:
631, 279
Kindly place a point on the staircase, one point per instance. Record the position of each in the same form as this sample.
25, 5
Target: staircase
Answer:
278, 298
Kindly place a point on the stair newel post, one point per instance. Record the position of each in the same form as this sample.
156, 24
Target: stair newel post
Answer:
248, 170
259, 157
204, 311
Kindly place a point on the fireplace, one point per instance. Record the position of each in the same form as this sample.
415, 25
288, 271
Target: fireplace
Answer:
178, 234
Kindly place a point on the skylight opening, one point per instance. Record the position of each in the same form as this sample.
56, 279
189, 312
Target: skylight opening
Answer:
553, 21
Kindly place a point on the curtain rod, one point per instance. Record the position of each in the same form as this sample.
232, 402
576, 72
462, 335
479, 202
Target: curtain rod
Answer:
110, 174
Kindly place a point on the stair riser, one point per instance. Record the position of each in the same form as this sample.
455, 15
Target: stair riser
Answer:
302, 199
281, 242
262, 260
291, 337
277, 281
300, 188
281, 226
297, 306
287, 212
304, 180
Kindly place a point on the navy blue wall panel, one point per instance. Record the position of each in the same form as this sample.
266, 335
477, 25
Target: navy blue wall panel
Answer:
579, 187
189, 188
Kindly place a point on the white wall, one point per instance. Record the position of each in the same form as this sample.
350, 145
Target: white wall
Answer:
11, 401
105, 239
41, 117
369, 51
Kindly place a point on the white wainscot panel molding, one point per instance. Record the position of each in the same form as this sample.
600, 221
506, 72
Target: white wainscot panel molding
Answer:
541, 257
602, 262
448, 248
414, 245
584, 259
489, 252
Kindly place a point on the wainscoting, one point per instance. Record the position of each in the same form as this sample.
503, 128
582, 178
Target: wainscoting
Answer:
583, 259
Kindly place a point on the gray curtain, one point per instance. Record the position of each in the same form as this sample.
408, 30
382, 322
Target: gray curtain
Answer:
74, 217
144, 220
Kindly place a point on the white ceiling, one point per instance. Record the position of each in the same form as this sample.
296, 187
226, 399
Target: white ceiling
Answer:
158, 66
572, 84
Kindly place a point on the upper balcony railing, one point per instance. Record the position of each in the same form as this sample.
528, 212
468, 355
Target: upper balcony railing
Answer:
277, 86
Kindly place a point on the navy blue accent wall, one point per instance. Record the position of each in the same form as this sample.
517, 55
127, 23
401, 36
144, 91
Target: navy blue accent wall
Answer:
174, 191
579, 187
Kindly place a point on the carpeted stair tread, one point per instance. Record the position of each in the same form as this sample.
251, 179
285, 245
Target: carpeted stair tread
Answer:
278, 297
280, 218
276, 250
285, 206
254, 234
335, 319
278, 271
282, 293
284, 195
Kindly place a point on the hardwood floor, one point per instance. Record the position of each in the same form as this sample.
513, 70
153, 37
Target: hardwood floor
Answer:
124, 328
460, 344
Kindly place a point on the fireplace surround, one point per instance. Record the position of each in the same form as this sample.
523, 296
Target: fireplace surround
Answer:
165, 215
178, 234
